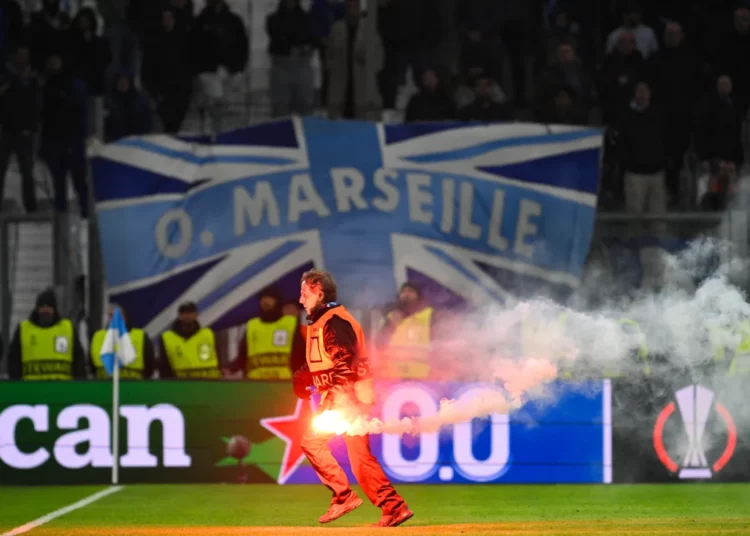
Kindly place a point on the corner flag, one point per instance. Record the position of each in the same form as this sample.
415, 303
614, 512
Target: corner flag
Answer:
117, 342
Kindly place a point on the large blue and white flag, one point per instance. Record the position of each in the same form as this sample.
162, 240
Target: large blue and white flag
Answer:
117, 344
466, 210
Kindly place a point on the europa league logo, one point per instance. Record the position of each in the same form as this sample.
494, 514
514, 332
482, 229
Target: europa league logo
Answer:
695, 404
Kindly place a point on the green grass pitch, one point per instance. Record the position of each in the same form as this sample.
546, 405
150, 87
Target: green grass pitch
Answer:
233, 510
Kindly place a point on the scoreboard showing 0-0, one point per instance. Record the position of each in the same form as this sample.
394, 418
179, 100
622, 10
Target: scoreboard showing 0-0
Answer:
566, 437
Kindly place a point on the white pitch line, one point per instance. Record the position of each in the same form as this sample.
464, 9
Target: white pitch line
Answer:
31, 525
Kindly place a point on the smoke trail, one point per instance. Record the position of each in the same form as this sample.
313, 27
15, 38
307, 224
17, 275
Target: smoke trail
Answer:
525, 346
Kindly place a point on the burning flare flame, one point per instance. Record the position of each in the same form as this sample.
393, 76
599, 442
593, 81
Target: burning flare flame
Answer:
331, 421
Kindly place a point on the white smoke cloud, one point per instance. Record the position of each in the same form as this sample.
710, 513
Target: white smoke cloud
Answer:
525, 346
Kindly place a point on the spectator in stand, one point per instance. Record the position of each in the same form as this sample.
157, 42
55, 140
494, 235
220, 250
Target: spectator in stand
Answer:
721, 184
567, 70
645, 38
324, 14
564, 109
465, 91
484, 108
128, 110
718, 127
674, 74
432, 103
48, 31
166, 71
20, 100
355, 57
292, 41
562, 30
734, 57
621, 70
64, 133
479, 23
89, 58
11, 27
641, 139
410, 31
220, 49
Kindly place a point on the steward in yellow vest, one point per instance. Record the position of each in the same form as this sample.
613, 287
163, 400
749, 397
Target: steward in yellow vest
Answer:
46, 347
405, 341
187, 350
272, 348
736, 358
145, 362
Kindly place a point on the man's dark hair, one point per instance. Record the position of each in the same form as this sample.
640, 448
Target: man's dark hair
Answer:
323, 279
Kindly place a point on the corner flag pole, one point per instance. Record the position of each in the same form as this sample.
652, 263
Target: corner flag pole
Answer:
116, 418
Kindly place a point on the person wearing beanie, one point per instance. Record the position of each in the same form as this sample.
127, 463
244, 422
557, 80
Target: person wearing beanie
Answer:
273, 347
405, 339
45, 346
187, 350
145, 362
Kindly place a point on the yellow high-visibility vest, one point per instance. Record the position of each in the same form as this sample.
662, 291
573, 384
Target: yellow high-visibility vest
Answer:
193, 358
47, 353
269, 348
740, 364
133, 371
407, 355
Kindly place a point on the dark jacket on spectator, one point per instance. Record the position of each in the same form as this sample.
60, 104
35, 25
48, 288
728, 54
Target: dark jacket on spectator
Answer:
11, 27
48, 31
20, 101
674, 74
166, 63
619, 76
89, 54
219, 39
733, 60
718, 129
424, 106
128, 114
289, 29
573, 77
640, 135
486, 110
65, 112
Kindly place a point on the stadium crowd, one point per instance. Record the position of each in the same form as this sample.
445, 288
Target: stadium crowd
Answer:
668, 79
